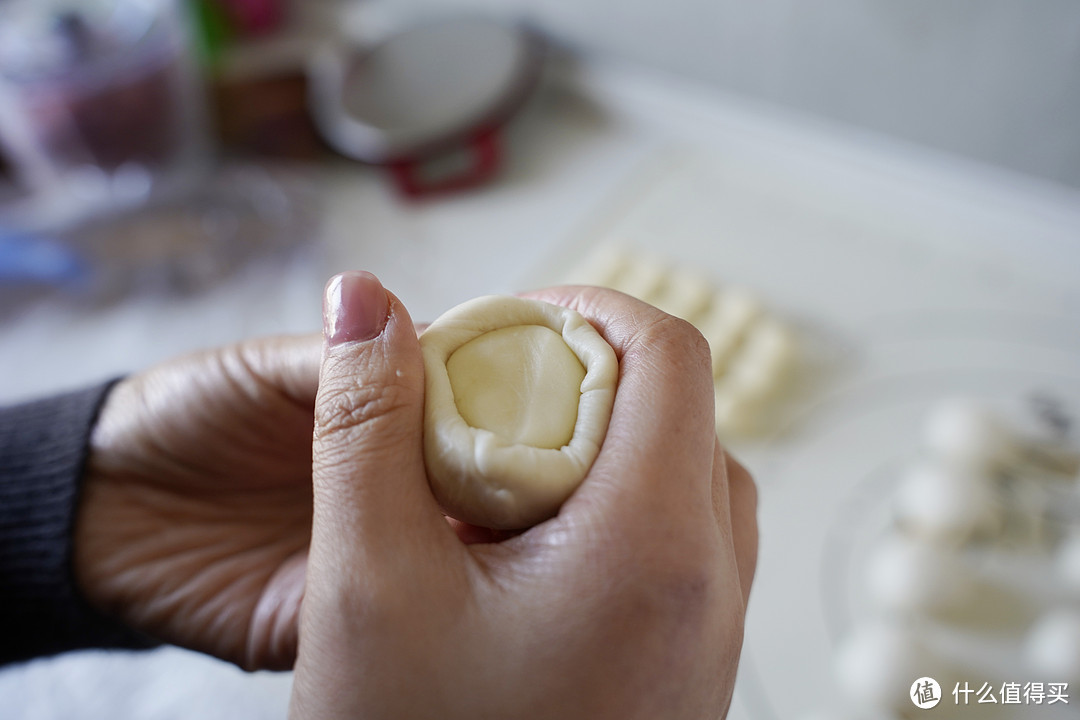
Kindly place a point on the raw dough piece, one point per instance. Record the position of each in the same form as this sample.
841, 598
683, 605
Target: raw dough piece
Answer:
519, 394
946, 503
754, 354
684, 294
875, 666
969, 434
907, 576
1053, 646
732, 315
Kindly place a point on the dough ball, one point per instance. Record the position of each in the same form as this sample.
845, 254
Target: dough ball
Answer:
1053, 646
1067, 563
908, 576
877, 664
519, 395
946, 503
967, 433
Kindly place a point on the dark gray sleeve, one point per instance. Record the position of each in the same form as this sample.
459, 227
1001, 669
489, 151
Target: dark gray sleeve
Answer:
43, 447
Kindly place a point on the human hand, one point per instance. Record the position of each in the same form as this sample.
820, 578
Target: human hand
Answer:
628, 604
195, 515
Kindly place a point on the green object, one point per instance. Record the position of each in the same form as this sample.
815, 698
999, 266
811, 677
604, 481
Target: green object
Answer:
212, 31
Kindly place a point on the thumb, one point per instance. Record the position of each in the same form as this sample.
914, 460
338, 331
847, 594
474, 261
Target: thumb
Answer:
372, 502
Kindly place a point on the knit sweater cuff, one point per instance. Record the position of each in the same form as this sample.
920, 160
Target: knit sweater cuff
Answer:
43, 448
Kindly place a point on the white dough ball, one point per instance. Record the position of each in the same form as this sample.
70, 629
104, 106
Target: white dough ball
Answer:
518, 395
1053, 646
1068, 563
945, 503
876, 666
906, 575
967, 433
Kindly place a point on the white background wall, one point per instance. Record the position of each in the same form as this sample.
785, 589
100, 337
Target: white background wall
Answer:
997, 80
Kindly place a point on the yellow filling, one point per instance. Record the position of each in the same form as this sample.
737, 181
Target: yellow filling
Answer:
522, 383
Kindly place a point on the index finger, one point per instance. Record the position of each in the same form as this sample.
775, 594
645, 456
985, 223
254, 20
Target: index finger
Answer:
657, 458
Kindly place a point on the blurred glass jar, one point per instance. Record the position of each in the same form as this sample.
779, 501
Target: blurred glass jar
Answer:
101, 104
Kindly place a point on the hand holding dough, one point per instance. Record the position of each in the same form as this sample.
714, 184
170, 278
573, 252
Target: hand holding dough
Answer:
519, 394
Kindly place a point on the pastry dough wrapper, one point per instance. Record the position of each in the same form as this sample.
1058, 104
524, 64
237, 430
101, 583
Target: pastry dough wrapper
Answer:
485, 478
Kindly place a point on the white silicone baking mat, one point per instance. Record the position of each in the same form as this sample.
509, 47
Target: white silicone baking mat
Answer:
902, 297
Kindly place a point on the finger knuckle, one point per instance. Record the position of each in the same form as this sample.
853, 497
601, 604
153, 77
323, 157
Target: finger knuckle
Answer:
678, 341
347, 407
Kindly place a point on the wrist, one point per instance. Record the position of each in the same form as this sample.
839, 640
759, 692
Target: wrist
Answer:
43, 450
98, 515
